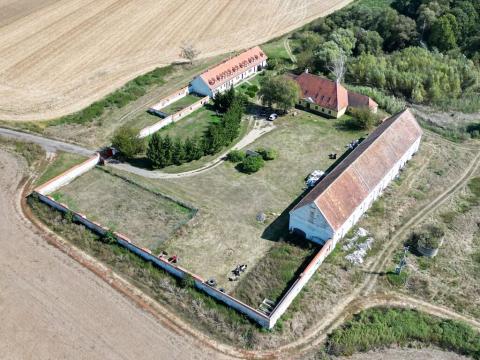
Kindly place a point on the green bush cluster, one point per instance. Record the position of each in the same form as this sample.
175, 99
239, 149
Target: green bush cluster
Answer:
251, 164
429, 236
385, 48
165, 151
236, 156
129, 92
363, 119
380, 327
267, 154
126, 140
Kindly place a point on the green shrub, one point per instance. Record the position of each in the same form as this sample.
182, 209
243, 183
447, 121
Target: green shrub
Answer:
69, 216
429, 236
126, 140
267, 154
236, 156
109, 237
252, 164
381, 327
187, 282
363, 119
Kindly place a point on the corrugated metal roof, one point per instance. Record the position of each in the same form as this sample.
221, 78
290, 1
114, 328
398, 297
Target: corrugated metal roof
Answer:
349, 183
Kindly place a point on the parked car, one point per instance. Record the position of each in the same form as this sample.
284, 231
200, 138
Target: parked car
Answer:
272, 117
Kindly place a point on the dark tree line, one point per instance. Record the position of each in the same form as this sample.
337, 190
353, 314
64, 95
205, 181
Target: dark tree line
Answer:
164, 151
422, 50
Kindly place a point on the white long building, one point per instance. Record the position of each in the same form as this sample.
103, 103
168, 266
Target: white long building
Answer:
229, 73
338, 201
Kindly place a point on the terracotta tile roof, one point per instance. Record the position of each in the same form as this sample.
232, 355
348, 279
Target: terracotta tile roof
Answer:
232, 67
321, 91
350, 182
359, 100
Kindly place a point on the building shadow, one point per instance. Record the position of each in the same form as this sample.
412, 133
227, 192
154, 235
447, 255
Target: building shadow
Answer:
278, 229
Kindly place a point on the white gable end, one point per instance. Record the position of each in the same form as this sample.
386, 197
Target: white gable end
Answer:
310, 221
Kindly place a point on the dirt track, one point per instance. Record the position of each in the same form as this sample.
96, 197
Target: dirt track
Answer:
59, 56
53, 308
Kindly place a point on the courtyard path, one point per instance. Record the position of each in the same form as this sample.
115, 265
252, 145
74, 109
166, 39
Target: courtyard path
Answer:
50, 145
260, 129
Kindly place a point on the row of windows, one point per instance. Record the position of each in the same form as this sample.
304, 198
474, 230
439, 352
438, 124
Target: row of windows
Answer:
318, 108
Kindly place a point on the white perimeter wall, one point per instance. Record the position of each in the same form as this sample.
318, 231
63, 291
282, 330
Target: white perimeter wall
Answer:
177, 95
149, 130
69, 175
303, 278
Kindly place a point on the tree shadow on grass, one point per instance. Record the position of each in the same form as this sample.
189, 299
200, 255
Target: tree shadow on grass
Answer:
139, 162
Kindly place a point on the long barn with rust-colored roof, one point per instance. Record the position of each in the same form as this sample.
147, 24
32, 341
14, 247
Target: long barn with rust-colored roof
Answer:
338, 201
229, 73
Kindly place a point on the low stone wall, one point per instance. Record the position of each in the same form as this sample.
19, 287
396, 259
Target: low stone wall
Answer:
69, 175
149, 130
177, 95
298, 285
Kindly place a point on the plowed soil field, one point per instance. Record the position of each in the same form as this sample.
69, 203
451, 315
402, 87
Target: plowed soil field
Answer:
60, 56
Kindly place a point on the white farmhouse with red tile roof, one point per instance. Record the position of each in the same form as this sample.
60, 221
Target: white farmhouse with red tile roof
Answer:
327, 97
229, 73
338, 201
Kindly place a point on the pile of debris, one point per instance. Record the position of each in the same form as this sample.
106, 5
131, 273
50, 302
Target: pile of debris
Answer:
361, 248
314, 177
353, 144
237, 272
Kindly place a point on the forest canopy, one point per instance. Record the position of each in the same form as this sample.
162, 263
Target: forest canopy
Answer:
425, 51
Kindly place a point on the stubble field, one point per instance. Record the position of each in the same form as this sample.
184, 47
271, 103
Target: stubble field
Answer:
60, 56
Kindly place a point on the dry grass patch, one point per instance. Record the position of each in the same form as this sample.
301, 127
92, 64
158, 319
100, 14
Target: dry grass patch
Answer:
147, 218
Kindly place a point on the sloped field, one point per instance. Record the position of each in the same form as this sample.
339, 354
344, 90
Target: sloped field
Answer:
59, 56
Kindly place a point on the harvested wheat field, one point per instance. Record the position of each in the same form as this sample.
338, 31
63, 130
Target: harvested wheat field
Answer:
59, 56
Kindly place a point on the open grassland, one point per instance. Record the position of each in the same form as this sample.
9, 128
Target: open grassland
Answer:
60, 56
192, 125
450, 278
181, 104
147, 218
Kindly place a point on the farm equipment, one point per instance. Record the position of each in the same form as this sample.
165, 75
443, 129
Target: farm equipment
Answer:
237, 272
